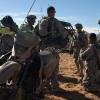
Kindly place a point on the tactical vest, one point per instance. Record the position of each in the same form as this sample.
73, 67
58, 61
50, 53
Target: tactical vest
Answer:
80, 39
23, 41
47, 27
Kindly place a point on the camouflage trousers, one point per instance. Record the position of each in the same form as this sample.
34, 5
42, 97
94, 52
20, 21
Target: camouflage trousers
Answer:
78, 62
33, 72
90, 75
91, 81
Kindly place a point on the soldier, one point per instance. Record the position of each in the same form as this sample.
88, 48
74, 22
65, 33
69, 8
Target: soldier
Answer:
7, 40
8, 22
31, 46
80, 43
91, 63
51, 29
25, 44
25, 38
28, 26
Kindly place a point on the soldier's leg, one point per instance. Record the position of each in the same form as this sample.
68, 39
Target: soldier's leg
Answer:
81, 64
87, 77
28, 81
77, 65
76, 55
32, 78
37, 65
54, 78
89, 80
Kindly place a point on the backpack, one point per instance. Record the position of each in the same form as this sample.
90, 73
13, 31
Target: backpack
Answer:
81, 41
43, 25
47, 27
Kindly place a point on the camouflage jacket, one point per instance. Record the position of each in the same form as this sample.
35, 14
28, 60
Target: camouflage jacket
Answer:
80, 40
50, 26
90, 57
25, 41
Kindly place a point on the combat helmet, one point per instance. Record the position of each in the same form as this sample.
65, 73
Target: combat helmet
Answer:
78, 25
51, 8
7, 20
31, 17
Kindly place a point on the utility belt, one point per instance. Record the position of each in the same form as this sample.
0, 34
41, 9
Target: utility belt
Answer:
23, 61
18, 60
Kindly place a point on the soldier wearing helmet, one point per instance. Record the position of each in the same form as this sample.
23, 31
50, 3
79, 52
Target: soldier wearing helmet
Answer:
31, 19
27, 32
51, 28
51, 11
7, 39
79, 27
91, 56
80, 43
24, 49
31, 46
29, 24
7, 21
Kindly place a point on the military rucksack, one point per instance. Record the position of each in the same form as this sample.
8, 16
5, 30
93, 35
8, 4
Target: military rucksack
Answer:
43, 25
80, 41
47, 27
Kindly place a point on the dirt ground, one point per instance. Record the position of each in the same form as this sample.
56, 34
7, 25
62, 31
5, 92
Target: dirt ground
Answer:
69, 88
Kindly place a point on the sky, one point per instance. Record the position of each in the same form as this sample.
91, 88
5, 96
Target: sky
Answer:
86, 12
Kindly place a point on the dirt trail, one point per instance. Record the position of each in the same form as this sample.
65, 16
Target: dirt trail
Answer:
69, 88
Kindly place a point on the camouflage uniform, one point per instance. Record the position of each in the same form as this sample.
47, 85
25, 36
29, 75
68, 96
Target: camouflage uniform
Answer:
29, 48
52, 30
25, 41
90, 58
71, 38
80, 43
